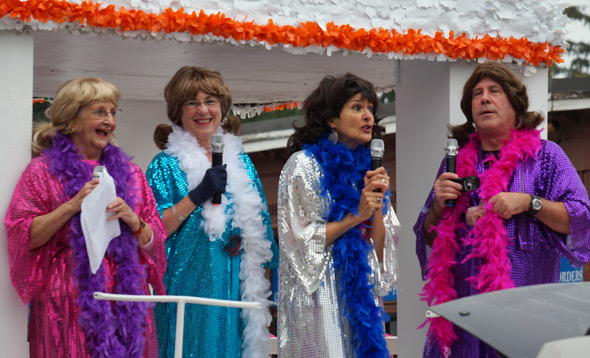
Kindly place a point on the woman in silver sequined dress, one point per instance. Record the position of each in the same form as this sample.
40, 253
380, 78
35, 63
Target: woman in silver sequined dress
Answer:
338, 234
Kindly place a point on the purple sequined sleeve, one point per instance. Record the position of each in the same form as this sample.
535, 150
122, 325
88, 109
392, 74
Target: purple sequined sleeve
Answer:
423, 250
556, 179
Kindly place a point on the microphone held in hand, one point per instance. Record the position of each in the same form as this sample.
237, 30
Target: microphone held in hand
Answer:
98, 170
216, 160
451, 150
377, 149
214, 181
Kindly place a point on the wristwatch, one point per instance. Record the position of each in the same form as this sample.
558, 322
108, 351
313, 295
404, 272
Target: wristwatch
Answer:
535, 206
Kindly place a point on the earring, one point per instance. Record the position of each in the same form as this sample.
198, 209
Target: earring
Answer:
333, 136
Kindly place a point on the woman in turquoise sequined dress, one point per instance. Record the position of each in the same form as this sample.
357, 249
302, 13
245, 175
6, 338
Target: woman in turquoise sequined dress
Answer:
213, 251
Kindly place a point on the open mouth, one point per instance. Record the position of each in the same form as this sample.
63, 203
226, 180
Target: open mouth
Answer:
102, 132
367, 128
203, 121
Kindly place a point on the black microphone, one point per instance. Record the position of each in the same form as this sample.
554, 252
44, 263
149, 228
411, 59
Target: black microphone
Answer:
377, 149
216, 159
451, 150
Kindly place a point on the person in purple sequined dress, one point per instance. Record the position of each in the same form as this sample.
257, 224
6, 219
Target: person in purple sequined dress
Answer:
531, 200
48, 261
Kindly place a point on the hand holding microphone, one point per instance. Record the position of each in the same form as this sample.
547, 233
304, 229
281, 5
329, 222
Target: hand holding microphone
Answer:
215, 179
451, 150
87, 188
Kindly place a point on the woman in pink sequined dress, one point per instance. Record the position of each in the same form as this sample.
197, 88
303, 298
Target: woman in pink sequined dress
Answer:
49, 264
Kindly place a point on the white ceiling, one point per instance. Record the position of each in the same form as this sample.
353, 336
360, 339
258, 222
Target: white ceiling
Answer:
140, 68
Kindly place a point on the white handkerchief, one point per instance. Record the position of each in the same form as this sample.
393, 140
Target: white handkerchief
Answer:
98, 232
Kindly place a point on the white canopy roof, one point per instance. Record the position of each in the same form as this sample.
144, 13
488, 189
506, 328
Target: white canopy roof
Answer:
139, 44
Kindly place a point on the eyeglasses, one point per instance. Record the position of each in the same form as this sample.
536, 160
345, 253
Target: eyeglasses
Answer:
103, 113
209, 103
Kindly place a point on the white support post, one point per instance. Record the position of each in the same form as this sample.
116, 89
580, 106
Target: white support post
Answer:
423, 102
179, 329
16, 116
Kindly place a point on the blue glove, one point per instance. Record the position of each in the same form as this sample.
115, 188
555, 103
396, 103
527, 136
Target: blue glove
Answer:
214, 180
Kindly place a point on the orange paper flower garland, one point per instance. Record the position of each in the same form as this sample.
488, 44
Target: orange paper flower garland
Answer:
280, 107
41, 100
306, 34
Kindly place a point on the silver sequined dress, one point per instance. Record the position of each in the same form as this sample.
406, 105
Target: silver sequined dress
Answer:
310, 313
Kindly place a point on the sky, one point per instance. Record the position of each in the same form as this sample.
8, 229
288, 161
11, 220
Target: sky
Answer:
576, 30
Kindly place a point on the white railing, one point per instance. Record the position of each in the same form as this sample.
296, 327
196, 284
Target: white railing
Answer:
181, 301
390, 340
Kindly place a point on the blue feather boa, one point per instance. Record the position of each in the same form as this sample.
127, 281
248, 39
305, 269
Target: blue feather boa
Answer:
343, 173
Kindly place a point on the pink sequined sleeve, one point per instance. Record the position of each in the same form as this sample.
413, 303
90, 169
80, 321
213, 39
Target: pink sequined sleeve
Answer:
148, 211
36, 193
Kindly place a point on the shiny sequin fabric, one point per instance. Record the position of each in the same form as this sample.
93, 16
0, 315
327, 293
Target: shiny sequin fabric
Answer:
536, 250
200, 267
44, 276
311, 316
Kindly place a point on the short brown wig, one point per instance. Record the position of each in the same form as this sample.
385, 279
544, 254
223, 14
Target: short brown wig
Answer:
184, 86
511, 85
187, 82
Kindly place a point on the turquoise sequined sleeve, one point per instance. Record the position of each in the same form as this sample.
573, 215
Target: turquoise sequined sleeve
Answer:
167, 181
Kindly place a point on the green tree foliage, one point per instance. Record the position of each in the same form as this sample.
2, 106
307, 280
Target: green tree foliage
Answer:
579, 51
39, 109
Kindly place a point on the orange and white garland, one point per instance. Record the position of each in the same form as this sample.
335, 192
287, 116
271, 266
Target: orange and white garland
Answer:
244, 111
410, 44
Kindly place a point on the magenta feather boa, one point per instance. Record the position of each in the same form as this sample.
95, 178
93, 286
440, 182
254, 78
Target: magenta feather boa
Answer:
488, 237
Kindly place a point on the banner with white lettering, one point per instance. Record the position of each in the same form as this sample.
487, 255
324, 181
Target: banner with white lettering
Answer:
569, 273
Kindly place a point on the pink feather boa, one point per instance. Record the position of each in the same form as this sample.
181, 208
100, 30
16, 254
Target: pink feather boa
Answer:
488, 237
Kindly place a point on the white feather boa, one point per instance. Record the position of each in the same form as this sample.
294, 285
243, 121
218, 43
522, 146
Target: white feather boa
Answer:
245, 214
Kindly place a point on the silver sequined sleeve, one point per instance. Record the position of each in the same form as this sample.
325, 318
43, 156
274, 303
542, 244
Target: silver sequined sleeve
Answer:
302, 230
385, 273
